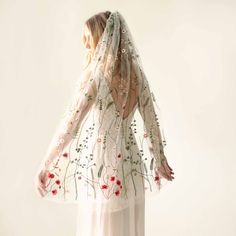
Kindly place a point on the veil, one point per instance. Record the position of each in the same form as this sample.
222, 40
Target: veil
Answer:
104, 150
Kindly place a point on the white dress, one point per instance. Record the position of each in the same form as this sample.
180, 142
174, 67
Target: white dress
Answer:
129, 221
104, 163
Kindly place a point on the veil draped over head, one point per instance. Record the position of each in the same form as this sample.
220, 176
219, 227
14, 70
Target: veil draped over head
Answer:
103, 150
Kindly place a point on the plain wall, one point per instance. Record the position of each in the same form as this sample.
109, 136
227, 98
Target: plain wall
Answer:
188, 53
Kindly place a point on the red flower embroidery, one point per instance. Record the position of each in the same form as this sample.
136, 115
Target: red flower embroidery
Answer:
50, 175
112, 178
57, 181
65, 154
157, 178
120, 186
54, 191
145, 135
104, 186
118, 182
117, 192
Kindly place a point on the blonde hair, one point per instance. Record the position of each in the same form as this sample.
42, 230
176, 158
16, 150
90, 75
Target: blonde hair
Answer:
96, 25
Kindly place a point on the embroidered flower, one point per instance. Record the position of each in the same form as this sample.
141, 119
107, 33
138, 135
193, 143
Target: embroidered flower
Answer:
104, 186
50, 175
117, 192
118, 182
157, 178
57, 181
65, 154
54, 191
61, 140
112, 178
121, 186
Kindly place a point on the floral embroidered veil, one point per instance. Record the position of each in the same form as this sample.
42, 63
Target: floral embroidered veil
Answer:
108, 145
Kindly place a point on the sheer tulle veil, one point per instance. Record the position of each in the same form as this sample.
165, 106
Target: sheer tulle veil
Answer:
102, 137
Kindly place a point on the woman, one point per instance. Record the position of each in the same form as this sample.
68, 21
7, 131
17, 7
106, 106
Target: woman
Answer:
101, 157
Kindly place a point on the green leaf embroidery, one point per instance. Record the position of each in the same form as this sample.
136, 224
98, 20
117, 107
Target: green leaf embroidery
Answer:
92, 174
109, 104
100, 171
146, 102
145, 167
151, 165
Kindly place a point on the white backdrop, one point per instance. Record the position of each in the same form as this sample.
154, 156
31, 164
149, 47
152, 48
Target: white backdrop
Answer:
188, 54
